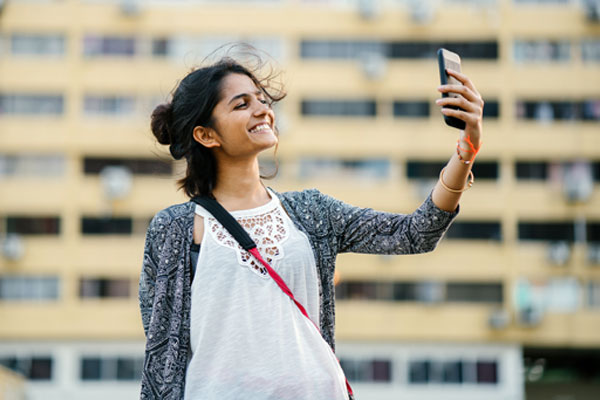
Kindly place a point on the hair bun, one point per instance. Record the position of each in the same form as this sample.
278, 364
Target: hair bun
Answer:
160, 122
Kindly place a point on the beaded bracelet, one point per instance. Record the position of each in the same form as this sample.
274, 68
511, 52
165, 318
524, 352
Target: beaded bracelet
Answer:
467, 186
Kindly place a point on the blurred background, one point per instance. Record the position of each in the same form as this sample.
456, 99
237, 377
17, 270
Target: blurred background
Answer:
507, 307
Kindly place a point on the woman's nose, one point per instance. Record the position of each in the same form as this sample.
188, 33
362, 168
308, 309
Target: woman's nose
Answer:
261, 108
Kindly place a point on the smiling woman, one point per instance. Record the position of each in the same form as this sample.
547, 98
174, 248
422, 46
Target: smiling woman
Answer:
224, 93
217, 328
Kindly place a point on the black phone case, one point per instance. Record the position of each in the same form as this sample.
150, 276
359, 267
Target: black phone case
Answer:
451, 121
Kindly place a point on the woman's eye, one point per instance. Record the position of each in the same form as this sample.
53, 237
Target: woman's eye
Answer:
240, 105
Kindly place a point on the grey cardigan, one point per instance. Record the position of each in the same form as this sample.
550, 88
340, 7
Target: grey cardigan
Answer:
331, 226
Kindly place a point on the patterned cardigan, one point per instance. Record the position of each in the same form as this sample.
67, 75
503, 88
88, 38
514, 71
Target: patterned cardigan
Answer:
331, 226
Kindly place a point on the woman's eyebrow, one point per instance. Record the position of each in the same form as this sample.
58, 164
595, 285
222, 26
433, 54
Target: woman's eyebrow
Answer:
237, 96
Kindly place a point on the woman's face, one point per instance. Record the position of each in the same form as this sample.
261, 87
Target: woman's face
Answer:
243, 118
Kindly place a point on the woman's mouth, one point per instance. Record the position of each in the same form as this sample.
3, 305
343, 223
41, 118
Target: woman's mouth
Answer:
261, 128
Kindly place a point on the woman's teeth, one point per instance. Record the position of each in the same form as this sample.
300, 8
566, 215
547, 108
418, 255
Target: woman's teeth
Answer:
259, 128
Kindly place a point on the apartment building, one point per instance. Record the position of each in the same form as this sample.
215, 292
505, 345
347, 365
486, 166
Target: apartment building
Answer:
507, 307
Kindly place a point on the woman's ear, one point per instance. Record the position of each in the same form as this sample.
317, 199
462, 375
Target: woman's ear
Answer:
207, 137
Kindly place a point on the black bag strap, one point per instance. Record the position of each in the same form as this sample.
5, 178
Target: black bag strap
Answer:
222, 215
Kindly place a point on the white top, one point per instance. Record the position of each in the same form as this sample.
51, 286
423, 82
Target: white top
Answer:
248, 339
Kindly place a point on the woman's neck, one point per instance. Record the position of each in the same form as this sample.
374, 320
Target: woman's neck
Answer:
239, 186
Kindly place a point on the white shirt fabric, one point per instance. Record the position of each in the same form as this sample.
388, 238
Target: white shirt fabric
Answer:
248, 339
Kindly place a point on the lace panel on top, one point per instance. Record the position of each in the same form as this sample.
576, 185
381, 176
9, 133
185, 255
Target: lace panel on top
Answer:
268, 230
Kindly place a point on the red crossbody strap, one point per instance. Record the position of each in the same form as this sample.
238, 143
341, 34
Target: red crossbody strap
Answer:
280, 282
282, 285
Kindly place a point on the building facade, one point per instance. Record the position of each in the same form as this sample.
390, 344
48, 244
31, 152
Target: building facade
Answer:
507, 307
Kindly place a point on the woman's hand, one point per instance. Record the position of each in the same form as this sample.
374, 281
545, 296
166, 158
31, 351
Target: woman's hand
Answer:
472, 112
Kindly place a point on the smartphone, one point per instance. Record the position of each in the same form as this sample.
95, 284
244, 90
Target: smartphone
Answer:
450, 60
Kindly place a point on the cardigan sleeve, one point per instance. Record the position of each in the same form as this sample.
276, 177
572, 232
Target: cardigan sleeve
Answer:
364, 230
150, 262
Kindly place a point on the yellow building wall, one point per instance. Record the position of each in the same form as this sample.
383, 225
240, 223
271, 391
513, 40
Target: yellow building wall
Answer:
507, 139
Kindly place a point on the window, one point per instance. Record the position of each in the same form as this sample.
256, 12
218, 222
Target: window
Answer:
342, 169
548, 110
486, 169
549, 231
367, 370
424, 169
486, 50
487, 372
37, 44
355, 49
475, 230
419, 371
94, 46
104, 288
541, 50
32, 165
108, 105
160, 47
426, 291
339, 108
591, 110
474, 292
111, 368
593, 294
542, 1
411, 109
342, 49
33, 368
33, 225
452, 371
425, 371
431, 169
593, 232
137, 166
16, 288
590, 50
31, 104
491, 109
596, 171
405, 291
106, 226
531, 170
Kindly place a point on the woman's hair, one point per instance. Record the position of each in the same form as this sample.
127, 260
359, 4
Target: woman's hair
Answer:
192, 104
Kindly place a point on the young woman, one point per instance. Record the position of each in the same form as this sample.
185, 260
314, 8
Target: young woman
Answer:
217, 326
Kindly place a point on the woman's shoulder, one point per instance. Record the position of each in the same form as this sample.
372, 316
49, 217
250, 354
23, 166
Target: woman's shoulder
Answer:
180, 214
303, 198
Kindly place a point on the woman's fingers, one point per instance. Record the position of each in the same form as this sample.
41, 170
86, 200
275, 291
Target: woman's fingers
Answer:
462, 90
469, 118
464, 80
459, 102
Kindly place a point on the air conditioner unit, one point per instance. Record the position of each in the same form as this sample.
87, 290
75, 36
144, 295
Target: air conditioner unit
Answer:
530, 316
130, 8
368, 9
13, 248
116, 181
499, 319
592, 10
373, 65
577, 181
430, 292
559, 253
421, 11
593, 254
